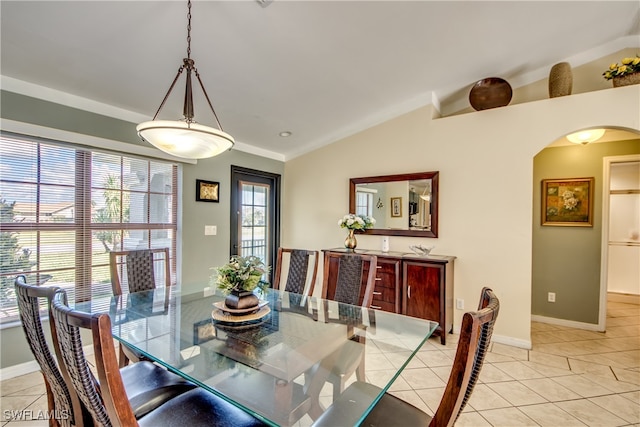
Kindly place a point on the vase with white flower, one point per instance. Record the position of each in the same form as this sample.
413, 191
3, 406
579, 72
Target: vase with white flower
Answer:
239, 278
353, 223
625, 73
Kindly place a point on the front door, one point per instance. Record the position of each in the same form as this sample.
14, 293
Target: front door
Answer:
255, 214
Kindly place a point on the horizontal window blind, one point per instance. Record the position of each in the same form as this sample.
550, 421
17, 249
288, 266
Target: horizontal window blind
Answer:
63, 209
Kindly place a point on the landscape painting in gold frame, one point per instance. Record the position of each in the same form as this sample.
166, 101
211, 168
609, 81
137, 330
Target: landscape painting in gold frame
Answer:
567, 202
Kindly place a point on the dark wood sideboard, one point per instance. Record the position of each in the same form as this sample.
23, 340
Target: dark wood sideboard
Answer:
413, 285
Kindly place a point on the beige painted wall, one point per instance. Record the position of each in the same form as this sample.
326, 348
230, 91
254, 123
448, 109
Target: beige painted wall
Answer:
485, 161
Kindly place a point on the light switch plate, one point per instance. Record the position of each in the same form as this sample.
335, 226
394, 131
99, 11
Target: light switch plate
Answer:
210, 230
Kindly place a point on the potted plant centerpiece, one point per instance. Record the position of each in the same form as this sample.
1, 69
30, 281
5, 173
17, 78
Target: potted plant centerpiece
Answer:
239, 278
353, 222
624, 74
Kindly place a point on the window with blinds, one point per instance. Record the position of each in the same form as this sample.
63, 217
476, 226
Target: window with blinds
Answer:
364, 203
64, 208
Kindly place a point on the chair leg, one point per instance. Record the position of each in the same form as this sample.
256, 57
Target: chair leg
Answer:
338, 387
123, 360
53, 422
360, 370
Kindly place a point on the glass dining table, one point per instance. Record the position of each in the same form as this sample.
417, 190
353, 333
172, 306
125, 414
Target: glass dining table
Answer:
274, 362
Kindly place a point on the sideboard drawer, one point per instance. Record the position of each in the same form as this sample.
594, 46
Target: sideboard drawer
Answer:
386, 295
384, 298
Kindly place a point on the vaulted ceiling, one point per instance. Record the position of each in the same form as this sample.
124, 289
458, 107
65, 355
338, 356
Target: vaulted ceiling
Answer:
318, 69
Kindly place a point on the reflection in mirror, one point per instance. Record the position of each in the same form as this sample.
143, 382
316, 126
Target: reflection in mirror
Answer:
403, 205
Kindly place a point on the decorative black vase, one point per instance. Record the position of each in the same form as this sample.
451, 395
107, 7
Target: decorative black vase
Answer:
241, 300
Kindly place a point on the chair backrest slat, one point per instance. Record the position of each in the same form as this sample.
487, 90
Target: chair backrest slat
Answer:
300, 260
107, 402
349, 278
74, 363
64, 402
473, 344
140, 267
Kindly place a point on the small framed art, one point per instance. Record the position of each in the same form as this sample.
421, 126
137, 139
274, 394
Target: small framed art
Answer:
207, 191
567, 202
396, 207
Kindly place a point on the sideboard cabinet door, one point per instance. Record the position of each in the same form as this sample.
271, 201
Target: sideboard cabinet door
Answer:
426, 294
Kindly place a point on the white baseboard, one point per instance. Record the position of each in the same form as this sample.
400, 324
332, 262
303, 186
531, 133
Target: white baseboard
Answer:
513, 342
30, 367
19, 370
567, 323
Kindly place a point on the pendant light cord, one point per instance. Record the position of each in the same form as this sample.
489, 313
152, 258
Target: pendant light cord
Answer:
190, 65
189, 29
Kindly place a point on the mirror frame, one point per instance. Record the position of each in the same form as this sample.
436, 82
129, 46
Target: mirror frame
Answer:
433, 176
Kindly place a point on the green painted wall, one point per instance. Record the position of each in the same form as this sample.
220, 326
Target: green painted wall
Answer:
199, 252
26, 109
566, 260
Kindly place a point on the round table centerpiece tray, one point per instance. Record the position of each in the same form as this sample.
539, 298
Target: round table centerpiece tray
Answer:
230, 316
220, 305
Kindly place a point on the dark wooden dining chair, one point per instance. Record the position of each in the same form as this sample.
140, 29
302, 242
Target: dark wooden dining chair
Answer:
107, 400
60, 399
302, 268
390, 411
136, 268
348, 278
146, 384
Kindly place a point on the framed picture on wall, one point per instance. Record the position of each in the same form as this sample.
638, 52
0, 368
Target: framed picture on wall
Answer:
207, 191
396, 207
567, 202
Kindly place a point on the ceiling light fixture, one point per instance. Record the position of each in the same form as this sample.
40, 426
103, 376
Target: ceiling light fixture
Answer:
586, 136
285, 134
185, 138
426, 196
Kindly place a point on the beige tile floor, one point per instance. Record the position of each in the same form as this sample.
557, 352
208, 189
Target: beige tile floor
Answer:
571, 377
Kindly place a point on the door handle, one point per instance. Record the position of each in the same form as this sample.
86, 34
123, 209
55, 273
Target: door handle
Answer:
409, 292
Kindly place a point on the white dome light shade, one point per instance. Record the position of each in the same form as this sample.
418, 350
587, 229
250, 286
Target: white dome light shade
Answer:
586, 136
185, 140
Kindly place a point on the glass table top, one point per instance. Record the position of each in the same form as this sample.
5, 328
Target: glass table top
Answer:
273, 363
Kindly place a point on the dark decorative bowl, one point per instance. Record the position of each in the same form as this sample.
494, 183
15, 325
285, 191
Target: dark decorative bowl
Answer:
491, 92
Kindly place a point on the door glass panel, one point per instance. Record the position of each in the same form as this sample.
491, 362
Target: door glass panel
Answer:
253, 221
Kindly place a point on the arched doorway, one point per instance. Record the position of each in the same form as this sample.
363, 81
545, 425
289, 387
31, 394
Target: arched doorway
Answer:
567, 284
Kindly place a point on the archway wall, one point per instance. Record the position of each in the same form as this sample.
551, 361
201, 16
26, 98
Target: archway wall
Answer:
566, 260
485, 161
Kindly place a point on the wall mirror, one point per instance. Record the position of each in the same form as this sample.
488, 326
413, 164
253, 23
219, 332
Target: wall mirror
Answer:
402, 205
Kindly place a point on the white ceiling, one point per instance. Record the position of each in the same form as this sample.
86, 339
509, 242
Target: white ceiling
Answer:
319, 69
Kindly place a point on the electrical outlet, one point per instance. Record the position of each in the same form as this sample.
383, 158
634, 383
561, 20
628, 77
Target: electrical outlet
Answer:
208, 291
459, 303
551, 297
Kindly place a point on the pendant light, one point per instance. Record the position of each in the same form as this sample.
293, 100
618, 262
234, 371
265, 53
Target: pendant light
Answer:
584, 137
426, 196
185, 138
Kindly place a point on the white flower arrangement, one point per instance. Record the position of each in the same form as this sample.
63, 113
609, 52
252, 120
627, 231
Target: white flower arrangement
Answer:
356, 222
